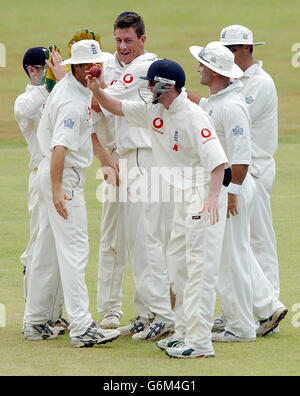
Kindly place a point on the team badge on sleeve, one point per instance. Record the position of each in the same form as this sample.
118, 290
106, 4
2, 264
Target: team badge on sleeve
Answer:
69, 123
249, 100
238, 131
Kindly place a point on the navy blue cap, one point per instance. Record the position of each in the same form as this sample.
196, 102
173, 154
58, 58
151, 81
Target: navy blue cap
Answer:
166, 68
127, 13
35, 56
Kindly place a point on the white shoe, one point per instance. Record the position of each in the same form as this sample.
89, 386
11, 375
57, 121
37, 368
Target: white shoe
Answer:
153, 330
111, 320
169, 342
227, 336
266, 326
182, 350
94, 335
39, 332
61, 325
136, 326
219, 323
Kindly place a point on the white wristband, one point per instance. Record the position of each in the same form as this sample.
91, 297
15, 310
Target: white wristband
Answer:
234, 188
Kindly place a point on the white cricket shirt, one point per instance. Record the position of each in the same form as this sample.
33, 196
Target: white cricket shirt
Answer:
260, 96
124, 82
232, 122
182, 136
28, 111
66, 121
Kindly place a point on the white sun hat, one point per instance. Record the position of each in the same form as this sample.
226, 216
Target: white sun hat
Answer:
236, 35
87, 51
217, 58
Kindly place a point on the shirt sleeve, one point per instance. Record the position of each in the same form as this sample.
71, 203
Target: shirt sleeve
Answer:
207, 143
66, 127
29, 103
237, 132
135, 113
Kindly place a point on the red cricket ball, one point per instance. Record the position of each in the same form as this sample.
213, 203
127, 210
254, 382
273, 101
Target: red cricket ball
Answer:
95, 71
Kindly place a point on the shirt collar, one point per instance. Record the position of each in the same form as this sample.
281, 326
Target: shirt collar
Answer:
176, 105
74, 81
235, 86
138, 59
253, 69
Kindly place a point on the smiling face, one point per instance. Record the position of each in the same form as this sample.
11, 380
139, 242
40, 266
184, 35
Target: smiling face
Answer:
129, 46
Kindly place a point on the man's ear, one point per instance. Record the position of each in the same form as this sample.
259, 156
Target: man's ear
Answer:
143, 38
30, 70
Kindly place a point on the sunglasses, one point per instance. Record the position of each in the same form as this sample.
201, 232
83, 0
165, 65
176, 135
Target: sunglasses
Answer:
234, 48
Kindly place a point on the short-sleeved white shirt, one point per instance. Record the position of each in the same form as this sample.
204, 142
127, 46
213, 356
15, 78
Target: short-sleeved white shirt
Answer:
28, 111
182, 136
260, 96
66, 121
124, 82
232, 122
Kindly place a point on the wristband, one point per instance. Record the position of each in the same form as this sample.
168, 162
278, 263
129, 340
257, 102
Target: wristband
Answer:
234, 188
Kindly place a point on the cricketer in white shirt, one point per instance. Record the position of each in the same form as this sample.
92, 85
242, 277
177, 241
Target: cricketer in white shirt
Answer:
183, 136
260, 96
62, 246
146, 241
28, 111
243, 286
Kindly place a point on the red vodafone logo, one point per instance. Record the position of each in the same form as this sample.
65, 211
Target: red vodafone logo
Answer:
90, 114
128, 78
205, 133
158, 123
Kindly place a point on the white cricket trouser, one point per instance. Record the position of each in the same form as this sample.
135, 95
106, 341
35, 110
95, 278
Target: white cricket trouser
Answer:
33, 209
61, 249
265, 300
234, 287
263, 238
141, 230
193, 261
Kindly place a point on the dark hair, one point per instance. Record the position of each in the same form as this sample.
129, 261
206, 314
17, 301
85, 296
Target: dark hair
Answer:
129, 19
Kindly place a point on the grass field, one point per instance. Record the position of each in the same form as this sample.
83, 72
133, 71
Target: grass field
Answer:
171, 28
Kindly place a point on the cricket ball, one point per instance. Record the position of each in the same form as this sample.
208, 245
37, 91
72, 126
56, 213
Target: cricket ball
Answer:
95, 71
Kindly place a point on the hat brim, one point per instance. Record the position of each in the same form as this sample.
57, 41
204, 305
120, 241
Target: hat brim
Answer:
238, 43
145, 78
235, 72
104, 57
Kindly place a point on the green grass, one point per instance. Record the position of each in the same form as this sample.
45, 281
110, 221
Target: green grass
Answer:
172, 26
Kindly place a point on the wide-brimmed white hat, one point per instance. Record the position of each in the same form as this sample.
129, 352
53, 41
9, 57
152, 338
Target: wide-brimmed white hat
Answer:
217, 58
237, 34
87, 51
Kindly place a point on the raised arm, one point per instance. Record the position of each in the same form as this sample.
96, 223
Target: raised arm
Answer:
109, 102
